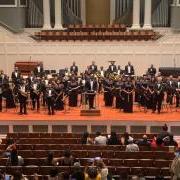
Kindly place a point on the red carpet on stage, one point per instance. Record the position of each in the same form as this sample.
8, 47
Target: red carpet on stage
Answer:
107, 113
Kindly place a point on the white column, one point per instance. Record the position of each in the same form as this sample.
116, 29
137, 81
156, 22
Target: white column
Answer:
136, 14
147, 17
112, 10
83, 11
58, 15
46, 14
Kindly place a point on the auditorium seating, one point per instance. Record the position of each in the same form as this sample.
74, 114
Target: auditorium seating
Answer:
34, 148
116, 32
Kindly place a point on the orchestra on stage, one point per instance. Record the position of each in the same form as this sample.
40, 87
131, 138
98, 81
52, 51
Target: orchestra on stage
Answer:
120, 88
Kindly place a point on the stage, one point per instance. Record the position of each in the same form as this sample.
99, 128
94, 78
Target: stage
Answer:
69, 120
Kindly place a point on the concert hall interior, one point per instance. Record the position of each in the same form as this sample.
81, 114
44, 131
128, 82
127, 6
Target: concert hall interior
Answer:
69, 67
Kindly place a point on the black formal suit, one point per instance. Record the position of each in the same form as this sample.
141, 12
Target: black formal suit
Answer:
152, 71
16, 76
35, 90
158, 97
112, 68
74, 69
129, 70
91, 88
170, 89
93, 68
50, 98
39, 71
177, 85
1, 95
4, 79
23, 98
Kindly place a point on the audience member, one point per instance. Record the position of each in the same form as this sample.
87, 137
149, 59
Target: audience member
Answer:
50, 161
164, 132
103, 170
67, 159
86, 139
13, 155
132, 147
18, 176
92, 174
53, 174
175, 166
125, 138
99, 139
77, 173
113, 140
169, 141
144, 141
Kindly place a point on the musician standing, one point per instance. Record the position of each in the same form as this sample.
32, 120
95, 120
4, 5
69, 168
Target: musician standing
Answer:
93, 67
129, 69
128, 96
112, 67
108, 87
158, 95
170, 89
59, 90
177, 92
74, 68
23, 96
73, 89
50, 99
151, 70
35, 90
38, 71
91, 89
16, 76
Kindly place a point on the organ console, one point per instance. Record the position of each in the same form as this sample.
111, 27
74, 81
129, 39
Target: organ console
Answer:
26, 67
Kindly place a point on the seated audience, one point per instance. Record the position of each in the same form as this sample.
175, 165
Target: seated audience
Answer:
103, 170
99, 139
18, 176
77, 173
164, 132
50, 161
86, 139
113, 140
144, 141
67, 159
125, 138
54, 174
175, 166
92, 174
169, 141
132, 147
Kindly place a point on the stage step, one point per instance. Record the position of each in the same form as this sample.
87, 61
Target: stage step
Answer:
90, 112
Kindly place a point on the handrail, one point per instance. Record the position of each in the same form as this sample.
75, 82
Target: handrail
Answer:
13, 30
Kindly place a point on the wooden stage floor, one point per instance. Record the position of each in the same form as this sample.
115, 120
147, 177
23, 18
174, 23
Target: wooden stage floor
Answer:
107, 114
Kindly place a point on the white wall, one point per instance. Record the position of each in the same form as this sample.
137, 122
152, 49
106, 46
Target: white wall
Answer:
57, 55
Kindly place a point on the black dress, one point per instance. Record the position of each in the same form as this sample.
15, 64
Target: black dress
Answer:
128, 97
73, 94
59, 104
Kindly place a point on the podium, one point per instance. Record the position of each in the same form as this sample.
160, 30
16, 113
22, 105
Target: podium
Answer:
86, 111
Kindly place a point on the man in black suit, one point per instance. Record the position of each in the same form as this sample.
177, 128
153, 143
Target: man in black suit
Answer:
23, 96
158, 95
50, 98
170, 89
129, 69
93, 67
16, 76
151, 70
112, 67
91, 89
178, 92
3, 78
35, 94
39, 71
74, 68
